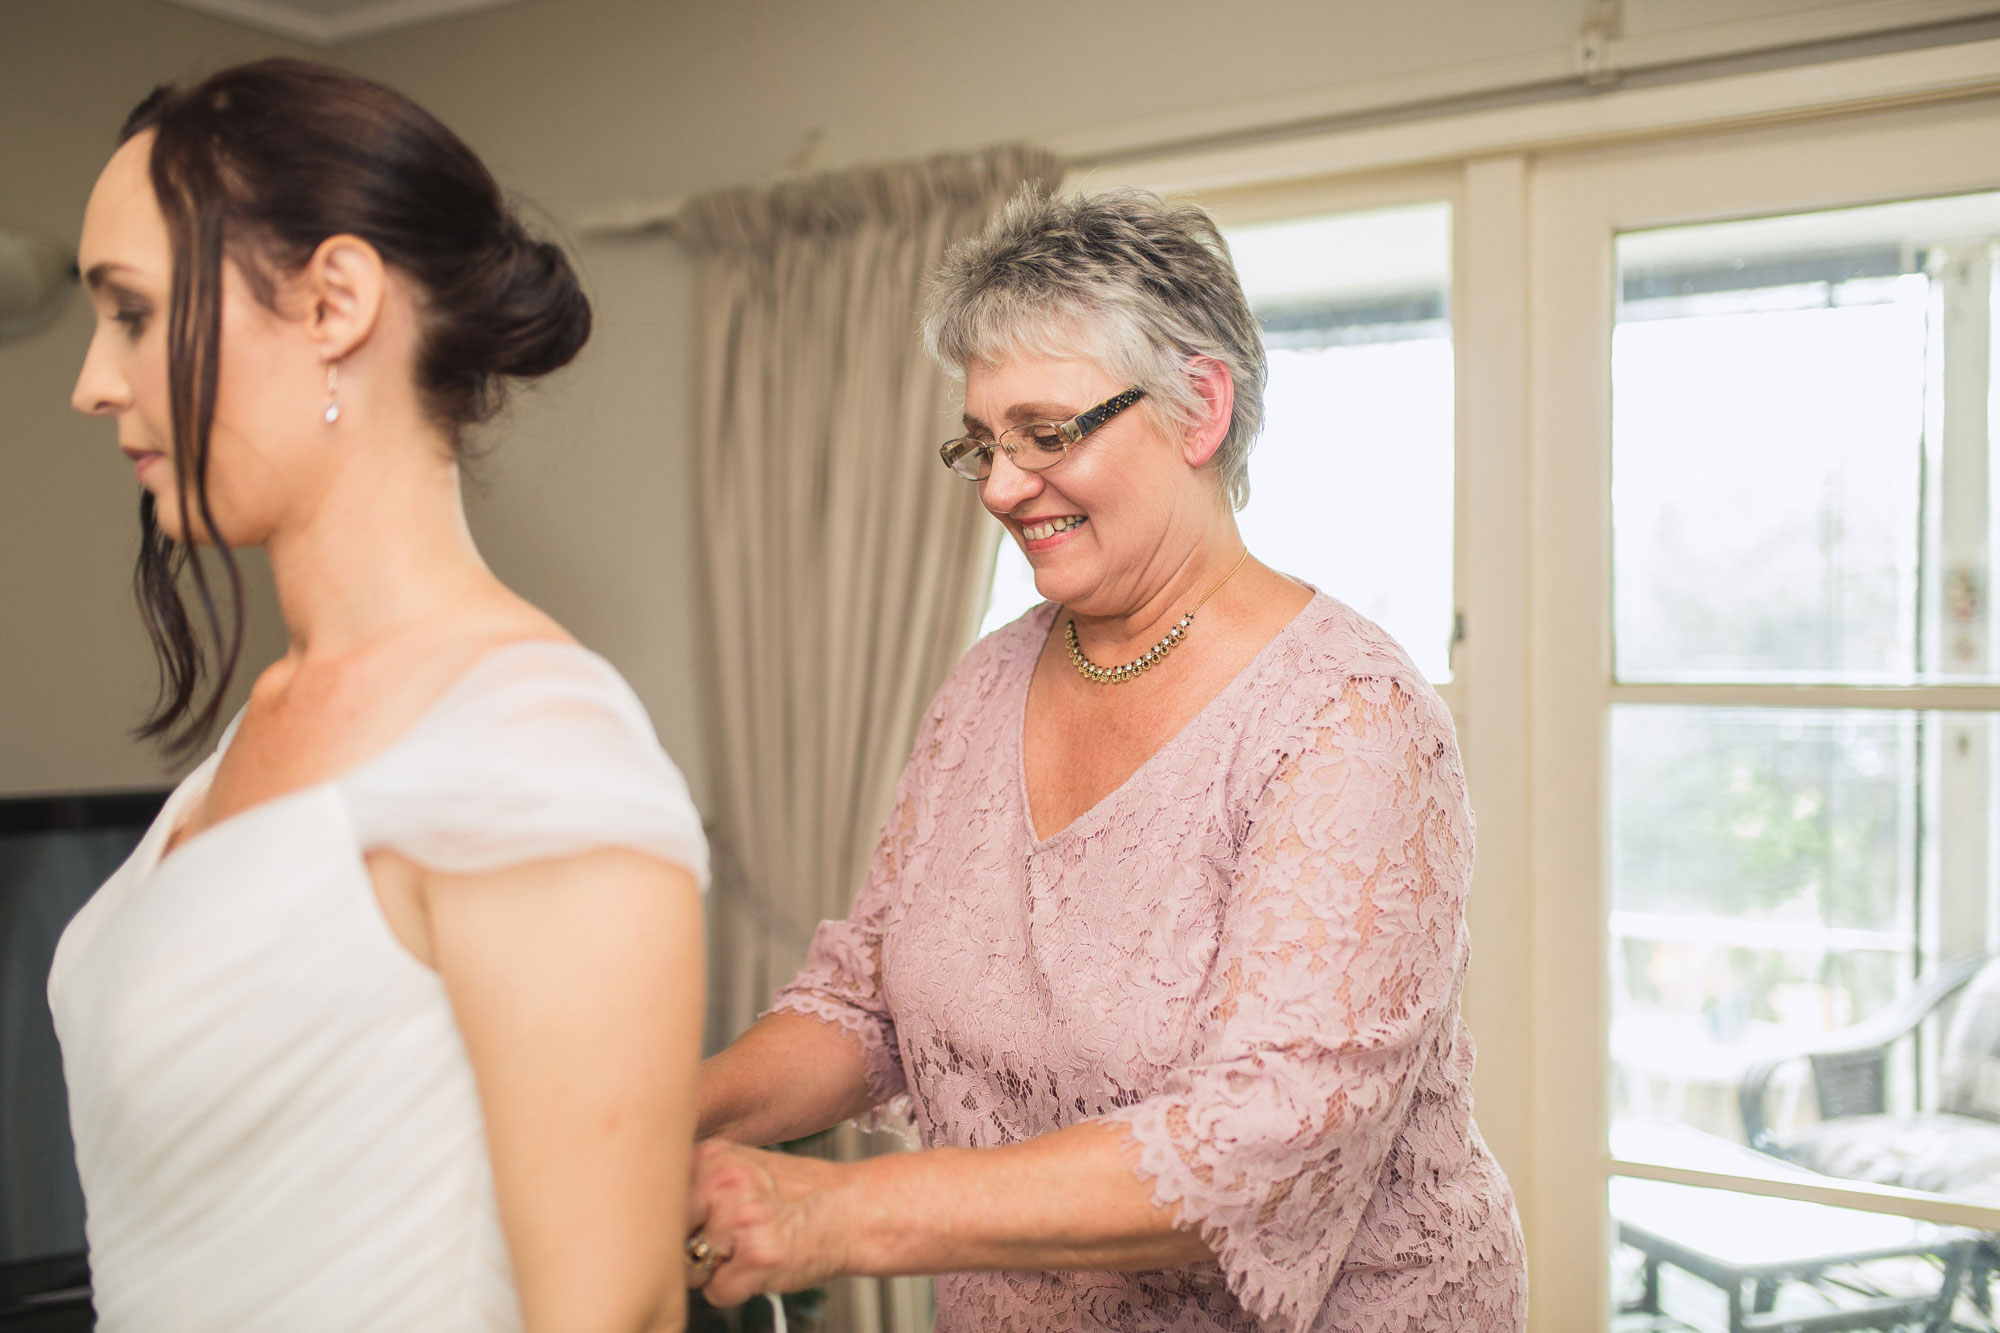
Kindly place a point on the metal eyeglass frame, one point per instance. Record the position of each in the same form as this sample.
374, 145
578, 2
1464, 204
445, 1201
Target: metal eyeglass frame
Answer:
966, 452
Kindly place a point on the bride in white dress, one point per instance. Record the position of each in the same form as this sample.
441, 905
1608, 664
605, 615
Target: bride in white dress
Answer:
391, 1021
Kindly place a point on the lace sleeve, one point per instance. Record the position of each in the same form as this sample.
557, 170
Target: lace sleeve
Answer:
1339, 960
841, 982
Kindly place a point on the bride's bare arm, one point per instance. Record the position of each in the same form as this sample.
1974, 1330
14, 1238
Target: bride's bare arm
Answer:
577, 984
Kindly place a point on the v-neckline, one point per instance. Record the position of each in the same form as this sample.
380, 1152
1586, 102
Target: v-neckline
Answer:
1097, 808
173, 815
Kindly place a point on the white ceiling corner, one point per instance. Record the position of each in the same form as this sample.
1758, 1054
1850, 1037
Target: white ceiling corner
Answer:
325, 22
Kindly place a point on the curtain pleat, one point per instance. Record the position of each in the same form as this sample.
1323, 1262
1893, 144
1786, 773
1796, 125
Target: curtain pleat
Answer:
842, 567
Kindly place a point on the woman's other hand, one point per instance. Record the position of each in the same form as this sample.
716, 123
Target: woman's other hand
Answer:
767, 1217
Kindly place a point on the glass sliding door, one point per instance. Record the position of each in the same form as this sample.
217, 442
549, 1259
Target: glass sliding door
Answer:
1768, 719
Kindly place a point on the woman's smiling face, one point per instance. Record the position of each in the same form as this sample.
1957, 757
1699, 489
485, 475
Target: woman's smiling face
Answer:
1099, 527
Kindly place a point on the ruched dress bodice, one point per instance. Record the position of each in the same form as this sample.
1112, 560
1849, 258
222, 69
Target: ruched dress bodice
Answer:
275, 1118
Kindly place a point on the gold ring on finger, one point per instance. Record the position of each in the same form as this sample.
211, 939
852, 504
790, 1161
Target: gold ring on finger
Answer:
701, 1256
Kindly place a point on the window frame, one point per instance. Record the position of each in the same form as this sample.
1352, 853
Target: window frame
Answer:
1582, 201
1291, 200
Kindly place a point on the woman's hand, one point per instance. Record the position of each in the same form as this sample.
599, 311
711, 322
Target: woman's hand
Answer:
769, 1219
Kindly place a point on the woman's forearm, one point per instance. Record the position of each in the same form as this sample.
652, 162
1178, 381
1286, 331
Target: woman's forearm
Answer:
1071, 1201
785, 1078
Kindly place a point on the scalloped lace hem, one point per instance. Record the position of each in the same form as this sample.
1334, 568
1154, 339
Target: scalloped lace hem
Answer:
1478, 1282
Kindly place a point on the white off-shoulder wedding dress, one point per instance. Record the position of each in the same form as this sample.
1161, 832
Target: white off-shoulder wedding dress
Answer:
275, 1119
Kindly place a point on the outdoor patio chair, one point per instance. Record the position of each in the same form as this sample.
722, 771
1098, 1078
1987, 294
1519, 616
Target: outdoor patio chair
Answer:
1952, 1149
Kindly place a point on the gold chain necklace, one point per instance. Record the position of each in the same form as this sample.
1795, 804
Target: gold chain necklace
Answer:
1147, 660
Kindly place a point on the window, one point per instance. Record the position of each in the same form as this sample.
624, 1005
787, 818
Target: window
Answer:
1799, 464
1800, 496
1762, 709
1355, 308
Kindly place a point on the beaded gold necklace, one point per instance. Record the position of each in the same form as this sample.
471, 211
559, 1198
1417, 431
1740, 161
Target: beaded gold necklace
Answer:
1152, 657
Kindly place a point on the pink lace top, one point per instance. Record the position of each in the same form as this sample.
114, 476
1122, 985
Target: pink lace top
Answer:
1248, 956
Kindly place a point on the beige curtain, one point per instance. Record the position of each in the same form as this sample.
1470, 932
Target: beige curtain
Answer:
843, 565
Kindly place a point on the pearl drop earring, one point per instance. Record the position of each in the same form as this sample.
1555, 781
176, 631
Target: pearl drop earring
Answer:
332, 412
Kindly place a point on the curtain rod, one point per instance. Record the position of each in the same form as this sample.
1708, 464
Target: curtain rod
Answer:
643, 217
634, 218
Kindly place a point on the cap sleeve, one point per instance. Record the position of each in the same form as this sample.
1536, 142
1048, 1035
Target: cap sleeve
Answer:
540, 751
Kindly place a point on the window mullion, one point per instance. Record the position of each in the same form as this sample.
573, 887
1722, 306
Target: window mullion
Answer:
1975, 700
1958, 919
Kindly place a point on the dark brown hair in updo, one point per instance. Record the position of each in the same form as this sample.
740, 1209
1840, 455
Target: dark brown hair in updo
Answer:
263, 162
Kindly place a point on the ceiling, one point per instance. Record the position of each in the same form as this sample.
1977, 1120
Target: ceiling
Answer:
324, 22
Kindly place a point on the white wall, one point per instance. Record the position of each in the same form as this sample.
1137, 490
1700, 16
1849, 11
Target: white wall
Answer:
585, 101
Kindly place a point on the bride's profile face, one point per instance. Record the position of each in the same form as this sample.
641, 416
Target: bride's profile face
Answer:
127, 266
270, 387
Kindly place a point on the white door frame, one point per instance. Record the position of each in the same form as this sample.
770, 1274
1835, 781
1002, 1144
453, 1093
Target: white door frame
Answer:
1579, 202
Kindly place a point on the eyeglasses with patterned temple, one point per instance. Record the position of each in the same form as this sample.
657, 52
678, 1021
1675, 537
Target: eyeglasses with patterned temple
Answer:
1033, 445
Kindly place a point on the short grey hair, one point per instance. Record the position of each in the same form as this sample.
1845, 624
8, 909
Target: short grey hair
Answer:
1137, 284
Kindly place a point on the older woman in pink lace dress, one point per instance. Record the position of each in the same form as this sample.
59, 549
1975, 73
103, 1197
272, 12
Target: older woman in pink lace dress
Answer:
1163, 940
